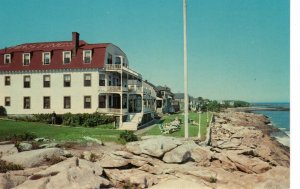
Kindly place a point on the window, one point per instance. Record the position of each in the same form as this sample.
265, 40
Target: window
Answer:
7, 81
46, 102
102, 80
7, 101
87, 102
26, 102
118, 59
67, 80
102, 101
26, 59
7, 58
46, 58
67, 102
27, 81
109, 59
87, 80
67, 57
46, 81
87, 56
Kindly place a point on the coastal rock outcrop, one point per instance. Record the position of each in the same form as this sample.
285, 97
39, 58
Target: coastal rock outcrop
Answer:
242, 155
8, 149
34, 157
153, 146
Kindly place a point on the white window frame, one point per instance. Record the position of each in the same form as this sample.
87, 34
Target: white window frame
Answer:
44, 58
24, 58
83, 57
121, 59
63, 58
9, 57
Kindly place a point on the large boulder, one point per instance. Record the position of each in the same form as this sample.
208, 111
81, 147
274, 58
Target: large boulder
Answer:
181, 153
247, 164
33, 158
154, 146
111, 161
133, 176
8, 149
72, 173
202, 155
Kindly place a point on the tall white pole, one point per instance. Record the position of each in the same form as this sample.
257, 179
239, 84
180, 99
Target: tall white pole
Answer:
186, 103
199, 131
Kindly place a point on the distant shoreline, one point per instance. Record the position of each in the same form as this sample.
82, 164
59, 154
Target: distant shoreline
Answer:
255, 108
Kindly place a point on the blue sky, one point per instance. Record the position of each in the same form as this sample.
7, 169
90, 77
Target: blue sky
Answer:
237, 49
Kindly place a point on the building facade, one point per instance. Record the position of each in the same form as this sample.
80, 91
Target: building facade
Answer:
69, 76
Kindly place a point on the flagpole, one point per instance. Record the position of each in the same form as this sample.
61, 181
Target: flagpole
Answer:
186, 108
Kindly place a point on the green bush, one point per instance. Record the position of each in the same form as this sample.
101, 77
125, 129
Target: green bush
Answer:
2, 111
128, 136
86, 120
21, 137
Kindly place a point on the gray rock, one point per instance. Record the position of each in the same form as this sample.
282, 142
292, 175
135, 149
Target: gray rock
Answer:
248, 165
23, 146
34, 157
133, 176
41, 140
181, 153
49, 145
111, 161
202, 155
155, 146
93, 140
66, 175
8, 149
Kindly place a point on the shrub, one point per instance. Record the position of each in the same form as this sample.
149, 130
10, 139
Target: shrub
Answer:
93, 157
212, 179
128, 136
2, 111
6, 166
21, 137
86, 120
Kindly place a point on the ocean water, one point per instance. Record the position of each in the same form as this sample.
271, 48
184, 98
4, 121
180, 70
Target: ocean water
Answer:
280, 119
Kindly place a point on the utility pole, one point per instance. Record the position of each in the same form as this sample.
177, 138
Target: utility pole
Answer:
186, 103
199, 132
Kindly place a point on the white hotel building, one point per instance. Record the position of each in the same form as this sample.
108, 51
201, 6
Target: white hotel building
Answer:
72, 76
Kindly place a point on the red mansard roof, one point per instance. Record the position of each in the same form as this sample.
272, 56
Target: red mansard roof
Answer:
56, 49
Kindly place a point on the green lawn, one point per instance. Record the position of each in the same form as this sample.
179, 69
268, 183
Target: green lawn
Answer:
59, 133
193, 129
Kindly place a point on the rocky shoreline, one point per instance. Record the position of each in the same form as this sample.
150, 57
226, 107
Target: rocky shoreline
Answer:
241, 154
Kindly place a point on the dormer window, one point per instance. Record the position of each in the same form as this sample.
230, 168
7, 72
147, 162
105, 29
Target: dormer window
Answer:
66, 57
7, 58
46, 58
26, 59
118, 60
87, 56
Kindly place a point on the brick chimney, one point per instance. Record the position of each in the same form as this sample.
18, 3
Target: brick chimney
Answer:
75, 43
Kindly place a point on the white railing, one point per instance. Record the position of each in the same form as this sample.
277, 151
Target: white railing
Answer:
113, 66
112, 89
112, 110
109, 110
134, 88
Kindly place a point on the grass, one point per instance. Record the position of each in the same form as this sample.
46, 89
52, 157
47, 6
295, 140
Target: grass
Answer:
193, 129
59, 133
103, 133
